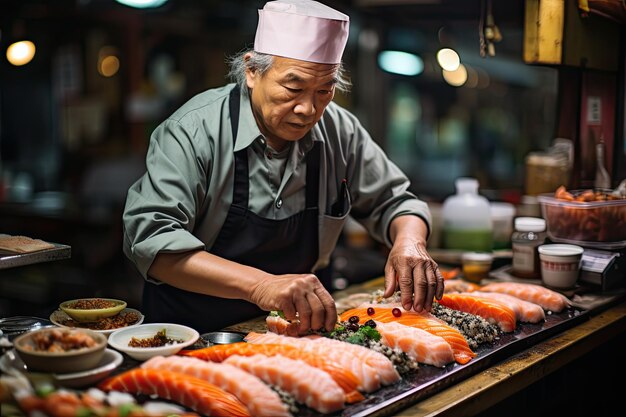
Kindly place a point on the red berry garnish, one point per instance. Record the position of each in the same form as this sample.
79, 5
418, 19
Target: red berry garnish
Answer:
396, 312
370, 311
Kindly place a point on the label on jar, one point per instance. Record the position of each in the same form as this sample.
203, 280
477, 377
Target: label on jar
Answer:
524, 258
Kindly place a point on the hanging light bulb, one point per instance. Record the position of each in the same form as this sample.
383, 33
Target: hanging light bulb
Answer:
108, 61
448, 59
21, 53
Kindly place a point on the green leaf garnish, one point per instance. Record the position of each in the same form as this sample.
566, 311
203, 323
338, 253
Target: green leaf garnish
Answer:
278, 313
43, 390
370, 333
356, 339
84, 412
125, 409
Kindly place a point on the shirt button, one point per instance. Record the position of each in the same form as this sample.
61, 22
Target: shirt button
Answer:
279, 203
269, 154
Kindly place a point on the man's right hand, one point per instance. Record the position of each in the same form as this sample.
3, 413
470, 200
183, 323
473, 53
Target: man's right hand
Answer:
300, 297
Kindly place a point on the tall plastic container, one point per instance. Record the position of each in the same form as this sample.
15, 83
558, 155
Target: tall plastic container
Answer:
467, 223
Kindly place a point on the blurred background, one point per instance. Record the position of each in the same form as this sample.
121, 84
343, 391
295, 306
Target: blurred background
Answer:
449, 88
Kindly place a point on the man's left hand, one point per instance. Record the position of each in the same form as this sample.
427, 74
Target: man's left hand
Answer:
410, 268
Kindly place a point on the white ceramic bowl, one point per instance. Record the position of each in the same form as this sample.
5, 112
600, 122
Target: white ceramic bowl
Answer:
560, 264
119, 339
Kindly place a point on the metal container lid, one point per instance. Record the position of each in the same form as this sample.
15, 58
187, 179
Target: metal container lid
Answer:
12, 327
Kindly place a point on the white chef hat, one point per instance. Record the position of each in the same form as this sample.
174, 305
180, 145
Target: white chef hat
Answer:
302, 29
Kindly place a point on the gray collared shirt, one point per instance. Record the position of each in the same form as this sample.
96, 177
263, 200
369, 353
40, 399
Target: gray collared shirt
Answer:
181, 202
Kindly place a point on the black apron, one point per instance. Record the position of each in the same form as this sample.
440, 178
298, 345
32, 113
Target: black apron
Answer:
275, 246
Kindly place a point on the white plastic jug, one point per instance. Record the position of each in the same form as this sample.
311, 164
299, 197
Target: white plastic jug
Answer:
467, 223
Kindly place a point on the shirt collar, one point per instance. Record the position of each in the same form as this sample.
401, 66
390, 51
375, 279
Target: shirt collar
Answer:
248, 131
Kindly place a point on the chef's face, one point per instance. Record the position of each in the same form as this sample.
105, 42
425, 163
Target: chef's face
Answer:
289, 98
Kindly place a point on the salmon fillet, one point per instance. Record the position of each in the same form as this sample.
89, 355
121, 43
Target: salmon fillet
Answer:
343, 377
383, 365
367, 377
201, 396
548, 299
308, 385
418, 344
260, 399
525, 311
494, 311
424, 321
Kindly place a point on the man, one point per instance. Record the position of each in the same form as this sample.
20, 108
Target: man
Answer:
248, 186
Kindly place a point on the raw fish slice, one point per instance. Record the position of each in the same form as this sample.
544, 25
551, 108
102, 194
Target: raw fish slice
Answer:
342, 376
424, 321
459, 285
307, 384
545, 297
368, 378
201, 396
260, 399
279, 325
418, 344
524, 310
386, 371
493, 311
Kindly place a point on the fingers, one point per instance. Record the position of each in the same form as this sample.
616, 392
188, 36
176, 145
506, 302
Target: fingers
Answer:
440, 284
329, 306
310, 303
420, 288
405, 281
318, 314
428, 283
390, 280
304, 314
289, 311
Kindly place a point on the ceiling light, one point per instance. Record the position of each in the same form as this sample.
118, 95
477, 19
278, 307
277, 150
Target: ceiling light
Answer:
403, 63
142, 4
448, 59
21, 53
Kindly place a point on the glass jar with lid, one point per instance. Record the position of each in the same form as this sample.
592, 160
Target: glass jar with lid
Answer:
529, 234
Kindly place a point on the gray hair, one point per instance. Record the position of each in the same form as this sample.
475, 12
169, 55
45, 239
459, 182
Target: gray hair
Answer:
262, 63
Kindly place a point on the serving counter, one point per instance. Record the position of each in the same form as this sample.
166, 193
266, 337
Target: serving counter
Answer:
567, 370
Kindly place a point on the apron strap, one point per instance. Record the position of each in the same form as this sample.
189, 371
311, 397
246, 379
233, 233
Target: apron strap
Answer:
313, 176
240, 186
233, 105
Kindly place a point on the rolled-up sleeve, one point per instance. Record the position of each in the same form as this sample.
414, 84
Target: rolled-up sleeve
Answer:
380, 189
162, 206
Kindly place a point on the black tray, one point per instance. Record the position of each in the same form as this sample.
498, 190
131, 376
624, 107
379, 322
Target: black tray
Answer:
429, 380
